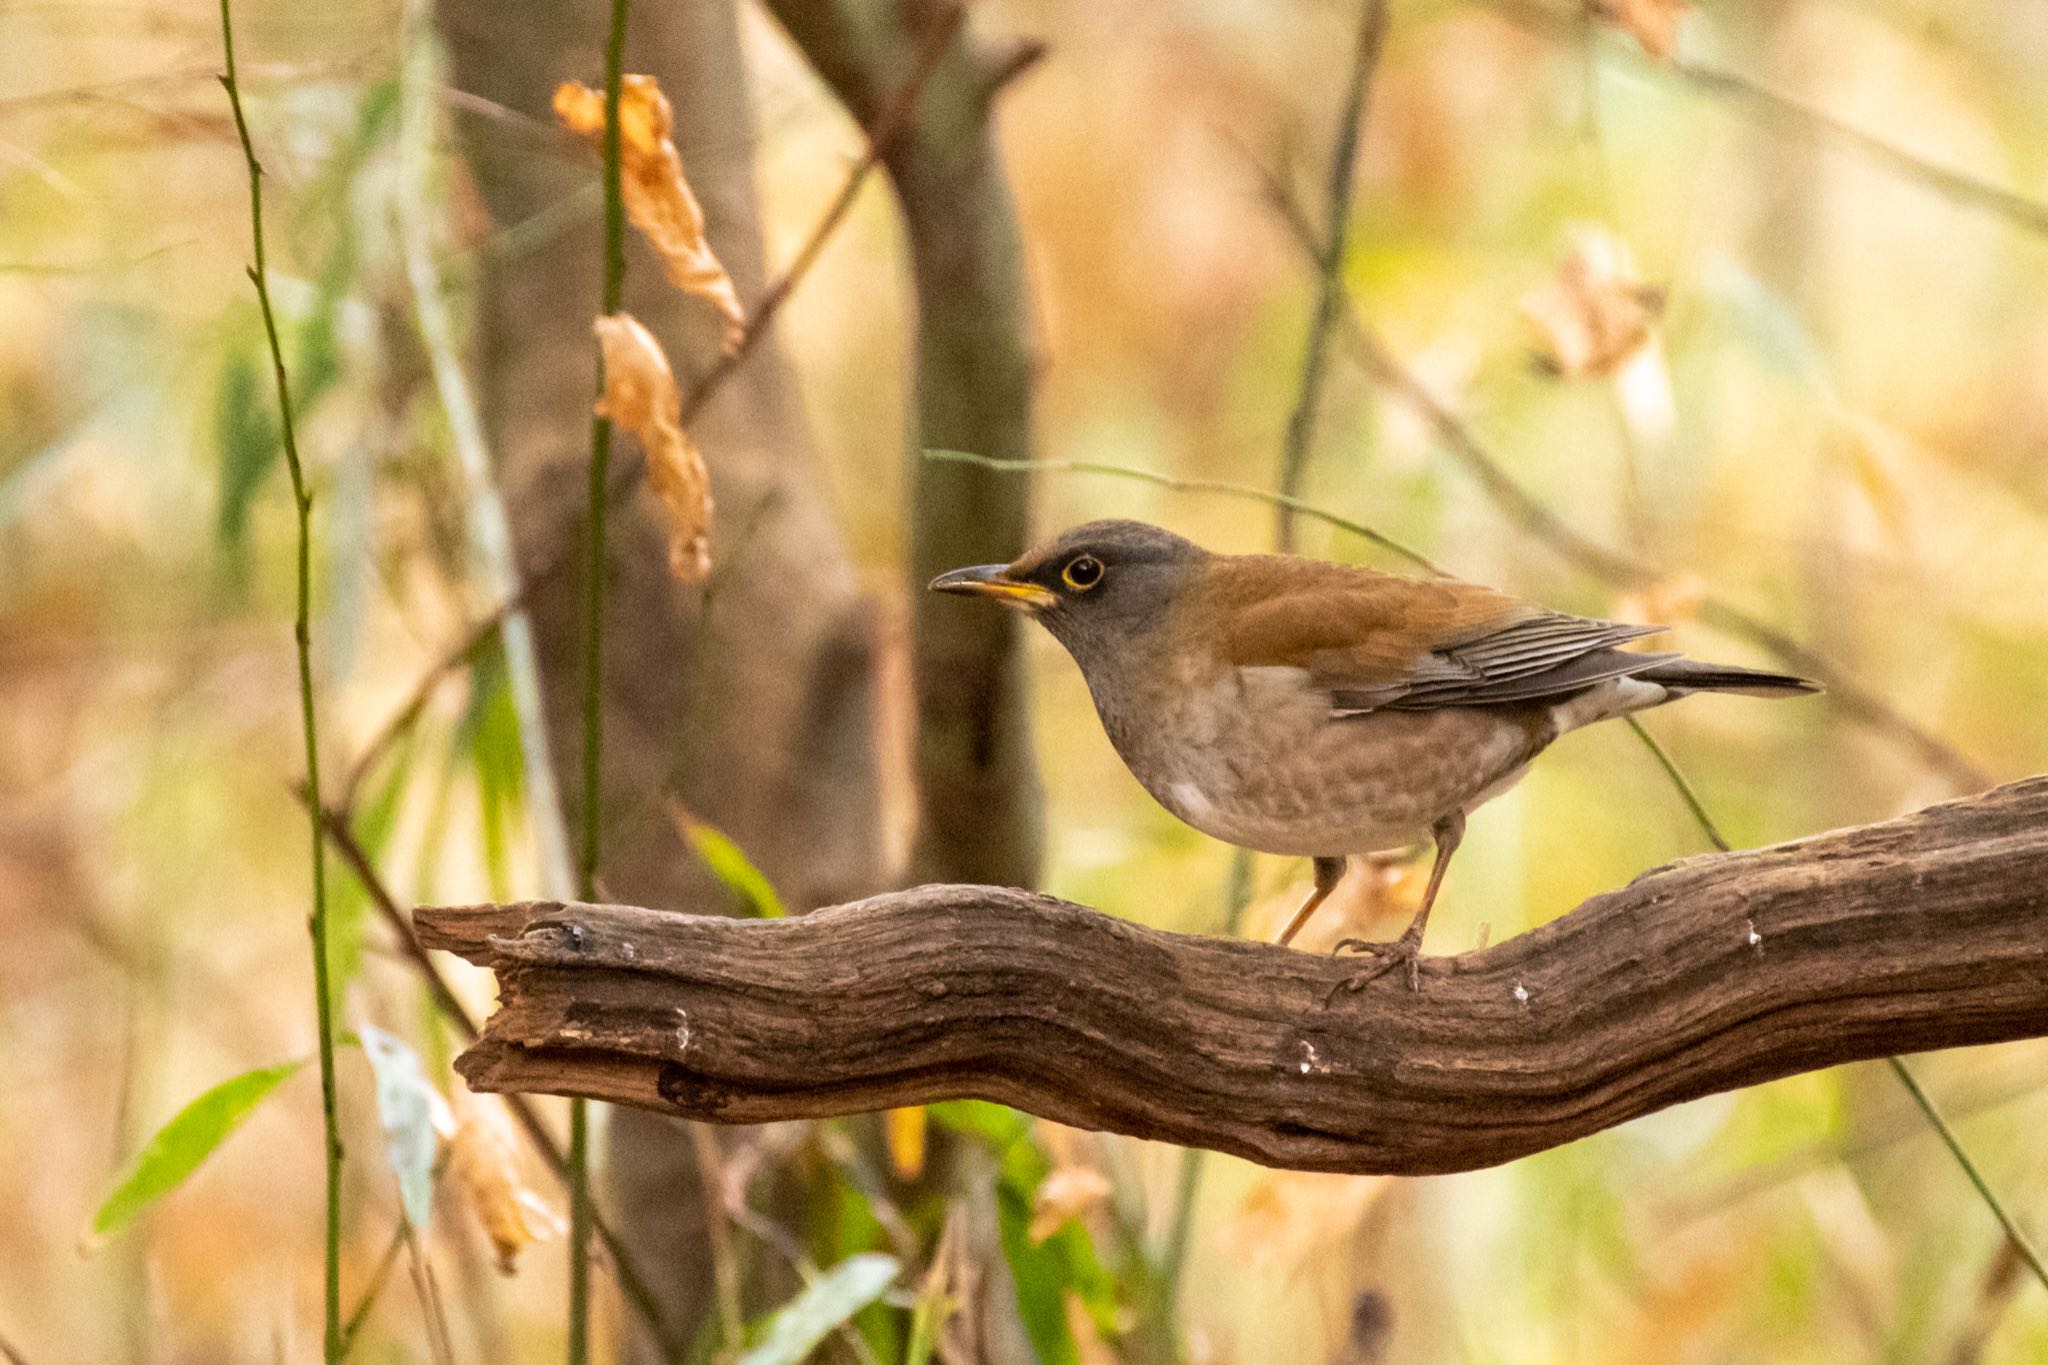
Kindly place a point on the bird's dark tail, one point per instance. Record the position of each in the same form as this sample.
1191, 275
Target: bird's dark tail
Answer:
1690, 675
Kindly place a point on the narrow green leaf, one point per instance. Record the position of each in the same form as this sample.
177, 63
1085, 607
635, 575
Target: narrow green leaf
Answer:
731, 866
489, 730
407, 1105
248, 439
827, 1302
181, 1145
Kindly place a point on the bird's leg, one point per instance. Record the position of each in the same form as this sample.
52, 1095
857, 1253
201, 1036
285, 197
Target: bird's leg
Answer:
1407, 949
1329, 871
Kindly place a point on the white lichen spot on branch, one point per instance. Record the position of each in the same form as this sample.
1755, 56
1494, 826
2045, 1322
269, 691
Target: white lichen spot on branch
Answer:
658, 199
640, 395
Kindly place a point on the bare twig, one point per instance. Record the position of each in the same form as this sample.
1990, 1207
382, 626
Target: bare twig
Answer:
725, 1273
2022, 1248
1619, 570
1682, 784
374, 1286
2027, 214
1233, 490
2019, 1243
1301, 423
429, 1292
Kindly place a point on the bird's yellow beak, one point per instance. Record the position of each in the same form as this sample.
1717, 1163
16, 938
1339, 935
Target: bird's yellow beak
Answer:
993, 580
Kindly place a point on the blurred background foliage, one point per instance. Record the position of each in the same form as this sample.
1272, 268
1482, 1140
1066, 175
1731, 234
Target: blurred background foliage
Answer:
1839, 424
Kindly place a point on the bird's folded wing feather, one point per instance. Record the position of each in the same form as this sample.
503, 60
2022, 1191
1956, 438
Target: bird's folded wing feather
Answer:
1377, 641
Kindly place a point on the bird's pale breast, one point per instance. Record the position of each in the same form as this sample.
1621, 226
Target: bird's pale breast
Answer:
1254, 756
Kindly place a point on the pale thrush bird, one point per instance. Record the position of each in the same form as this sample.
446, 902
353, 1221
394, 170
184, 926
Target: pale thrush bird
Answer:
1300, 707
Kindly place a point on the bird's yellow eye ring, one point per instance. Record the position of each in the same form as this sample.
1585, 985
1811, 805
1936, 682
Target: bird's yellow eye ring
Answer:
1082, 572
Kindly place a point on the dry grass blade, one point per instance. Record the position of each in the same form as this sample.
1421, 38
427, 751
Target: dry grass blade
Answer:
640, 395
658, 198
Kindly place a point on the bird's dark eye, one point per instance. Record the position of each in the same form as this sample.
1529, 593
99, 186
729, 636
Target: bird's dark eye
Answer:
1082, 572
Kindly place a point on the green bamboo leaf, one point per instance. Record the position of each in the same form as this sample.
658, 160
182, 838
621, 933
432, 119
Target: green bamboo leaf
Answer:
181, 1145
489, 731
731, 866
827, 1302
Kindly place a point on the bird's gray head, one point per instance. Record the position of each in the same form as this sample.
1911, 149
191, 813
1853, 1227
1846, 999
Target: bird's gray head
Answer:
1093, 587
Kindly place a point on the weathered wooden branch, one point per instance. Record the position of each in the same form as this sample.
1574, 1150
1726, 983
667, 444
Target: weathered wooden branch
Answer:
1924, 932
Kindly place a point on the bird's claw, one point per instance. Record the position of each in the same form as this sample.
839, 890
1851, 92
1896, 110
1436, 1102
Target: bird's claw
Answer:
1405, 951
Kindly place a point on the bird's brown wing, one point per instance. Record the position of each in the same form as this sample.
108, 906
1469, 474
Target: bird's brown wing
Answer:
1376, 641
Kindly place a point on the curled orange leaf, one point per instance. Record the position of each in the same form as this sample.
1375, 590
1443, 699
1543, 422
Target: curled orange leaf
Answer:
658, 199
483, 1156
640, 395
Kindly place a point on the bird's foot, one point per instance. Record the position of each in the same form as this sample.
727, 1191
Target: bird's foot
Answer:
1405, 951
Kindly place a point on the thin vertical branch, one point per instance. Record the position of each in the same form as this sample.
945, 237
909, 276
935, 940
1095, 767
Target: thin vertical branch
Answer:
302, 631
593, 669
1301, 423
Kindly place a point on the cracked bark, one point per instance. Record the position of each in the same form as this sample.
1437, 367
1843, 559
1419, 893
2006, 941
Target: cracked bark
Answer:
1708, 974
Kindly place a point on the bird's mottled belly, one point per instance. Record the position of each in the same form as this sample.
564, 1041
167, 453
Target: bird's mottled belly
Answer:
1258, 760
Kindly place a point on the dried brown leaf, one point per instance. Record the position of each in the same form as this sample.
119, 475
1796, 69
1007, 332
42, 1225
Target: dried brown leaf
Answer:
1593, 316
1653, 23
658, 199
483, 1156
640, 395
1066, 1193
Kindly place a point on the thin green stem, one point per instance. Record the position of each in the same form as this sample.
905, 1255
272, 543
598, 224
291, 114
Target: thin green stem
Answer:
2020, 1245
593, 670
302, 632
2023, 1248
1685, 788
1234, 490
1301, 423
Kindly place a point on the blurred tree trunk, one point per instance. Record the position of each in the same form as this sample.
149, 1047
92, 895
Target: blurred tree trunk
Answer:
978, 794
748, 701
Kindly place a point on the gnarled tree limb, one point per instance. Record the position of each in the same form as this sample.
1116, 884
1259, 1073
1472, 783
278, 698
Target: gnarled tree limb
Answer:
1715, 972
